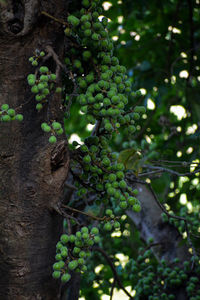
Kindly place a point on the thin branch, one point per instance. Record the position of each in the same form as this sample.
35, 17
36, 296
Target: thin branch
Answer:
70, 186
96, 128
61, 212
112, 289
161, 169
113, 270
87, 214
53, 18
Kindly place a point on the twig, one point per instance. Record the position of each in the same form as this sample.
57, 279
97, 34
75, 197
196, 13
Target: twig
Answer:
113, 270
161, 169
61, 212
87, 214
96, 128
112, 289
70, 186
53, 18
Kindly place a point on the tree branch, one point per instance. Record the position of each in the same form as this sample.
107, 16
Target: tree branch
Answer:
116, 277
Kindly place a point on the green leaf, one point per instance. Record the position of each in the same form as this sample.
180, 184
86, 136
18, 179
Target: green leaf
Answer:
130, 158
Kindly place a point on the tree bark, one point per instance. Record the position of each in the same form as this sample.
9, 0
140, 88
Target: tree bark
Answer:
29, 186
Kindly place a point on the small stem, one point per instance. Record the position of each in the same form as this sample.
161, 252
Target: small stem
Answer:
53, 18
86, 214
113, 270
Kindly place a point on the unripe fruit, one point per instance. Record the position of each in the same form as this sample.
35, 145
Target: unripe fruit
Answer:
44, 69
94, 230
56, 274
52, 139
72, 264
107, 227
4, 107
65, 277
6, 118
64, 238
56, 125
11, 112
74, 21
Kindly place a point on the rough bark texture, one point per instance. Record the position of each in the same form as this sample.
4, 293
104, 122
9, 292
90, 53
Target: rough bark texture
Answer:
29, 187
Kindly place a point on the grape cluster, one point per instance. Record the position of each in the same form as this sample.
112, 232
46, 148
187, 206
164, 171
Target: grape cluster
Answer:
72, 252
42, 85
55, 128
9, 114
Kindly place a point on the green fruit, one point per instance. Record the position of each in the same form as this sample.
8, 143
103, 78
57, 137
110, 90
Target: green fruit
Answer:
53, 76
34, 63
74, 21
44, 69
87, 159
82, 254
72, 238
57, 266
123, 204
108, 227
60, 131
4, 107
56, 125
81, 261
73, 264
65, 277
52, 139
11, 112
42, 53
86, 55
97, 239
56, 274
45, 127
94, 230
6, 118
34, 89
39, 106
58, 256
136, 208
64, 238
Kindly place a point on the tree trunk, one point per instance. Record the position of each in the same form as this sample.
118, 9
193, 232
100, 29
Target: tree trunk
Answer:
29, 187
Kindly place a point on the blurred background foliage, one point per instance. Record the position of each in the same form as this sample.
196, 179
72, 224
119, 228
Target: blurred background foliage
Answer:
159, 43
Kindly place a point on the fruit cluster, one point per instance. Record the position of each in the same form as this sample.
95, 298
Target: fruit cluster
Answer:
55, 128
159, 281
9, 114
72, 252
41, 85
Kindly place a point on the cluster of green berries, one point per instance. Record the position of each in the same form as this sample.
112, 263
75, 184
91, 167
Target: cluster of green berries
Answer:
72, 252
106, 175
192, 219
8, 114
158, 281
55, 128
35, 58
41, 85
103, 88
